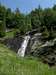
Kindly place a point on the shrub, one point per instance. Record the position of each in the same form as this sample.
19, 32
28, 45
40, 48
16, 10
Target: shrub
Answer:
2, 29
2, 34
45, 34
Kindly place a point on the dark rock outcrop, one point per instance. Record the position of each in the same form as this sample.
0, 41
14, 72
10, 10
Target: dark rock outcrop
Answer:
46, 50
13, 43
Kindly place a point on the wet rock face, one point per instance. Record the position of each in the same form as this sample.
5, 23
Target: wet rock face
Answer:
46, 51
14, 43
33, 42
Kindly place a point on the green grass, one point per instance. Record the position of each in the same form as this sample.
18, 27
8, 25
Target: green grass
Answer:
11, 64
9, 34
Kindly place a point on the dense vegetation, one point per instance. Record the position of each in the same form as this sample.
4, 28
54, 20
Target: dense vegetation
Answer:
42, 19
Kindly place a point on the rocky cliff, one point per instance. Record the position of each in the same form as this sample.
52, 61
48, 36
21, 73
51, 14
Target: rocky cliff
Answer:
37, 47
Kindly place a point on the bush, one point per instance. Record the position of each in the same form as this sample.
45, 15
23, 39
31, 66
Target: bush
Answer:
17, 33
2, 29
45, 34
2, 34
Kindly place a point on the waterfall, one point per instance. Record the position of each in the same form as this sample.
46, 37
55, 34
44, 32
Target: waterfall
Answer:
21, 51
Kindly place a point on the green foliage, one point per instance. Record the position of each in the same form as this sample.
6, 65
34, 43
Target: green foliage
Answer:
54, 7
10, 34
2, 34
34, 20
2, 30
45, 34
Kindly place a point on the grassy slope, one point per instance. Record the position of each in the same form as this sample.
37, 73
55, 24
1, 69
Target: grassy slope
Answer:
10, 64
9, 34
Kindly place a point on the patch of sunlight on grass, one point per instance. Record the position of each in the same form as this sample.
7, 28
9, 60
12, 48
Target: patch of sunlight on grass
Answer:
9, 34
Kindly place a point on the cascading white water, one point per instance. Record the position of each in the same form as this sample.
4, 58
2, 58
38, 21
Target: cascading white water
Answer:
21, 51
